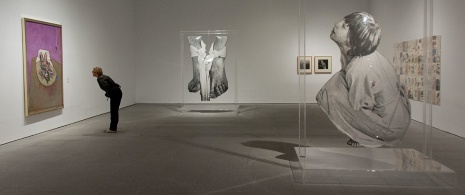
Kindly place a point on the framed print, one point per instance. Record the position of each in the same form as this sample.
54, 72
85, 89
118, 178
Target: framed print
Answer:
208, 68
304, 65
43, 66
323, 64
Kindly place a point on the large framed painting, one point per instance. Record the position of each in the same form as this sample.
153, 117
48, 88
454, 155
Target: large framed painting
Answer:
323, 64
43, 66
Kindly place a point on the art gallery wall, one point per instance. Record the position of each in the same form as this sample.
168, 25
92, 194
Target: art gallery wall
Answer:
447, 21
266, 44
95, 33
406, 23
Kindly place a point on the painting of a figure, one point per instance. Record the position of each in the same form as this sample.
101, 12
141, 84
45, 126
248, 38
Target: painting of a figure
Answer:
364, 100
43, 70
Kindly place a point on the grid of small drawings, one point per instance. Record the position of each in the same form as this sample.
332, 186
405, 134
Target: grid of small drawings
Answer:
409, 63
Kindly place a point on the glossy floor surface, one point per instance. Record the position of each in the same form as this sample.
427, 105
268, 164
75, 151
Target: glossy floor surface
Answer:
159, 150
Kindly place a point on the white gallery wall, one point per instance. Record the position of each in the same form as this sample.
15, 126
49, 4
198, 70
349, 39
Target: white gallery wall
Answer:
95, 33
406, 23
448, 22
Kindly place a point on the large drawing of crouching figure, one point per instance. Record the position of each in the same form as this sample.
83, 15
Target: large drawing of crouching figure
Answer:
209, 74
364, 100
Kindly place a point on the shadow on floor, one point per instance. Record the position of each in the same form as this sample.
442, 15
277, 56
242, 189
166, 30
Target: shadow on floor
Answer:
287, 155
287, 149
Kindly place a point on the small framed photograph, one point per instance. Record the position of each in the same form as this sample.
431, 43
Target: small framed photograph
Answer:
323, 64
304, 65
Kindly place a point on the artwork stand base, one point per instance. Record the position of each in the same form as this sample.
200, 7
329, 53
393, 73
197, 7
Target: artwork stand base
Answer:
209, 108
370, 166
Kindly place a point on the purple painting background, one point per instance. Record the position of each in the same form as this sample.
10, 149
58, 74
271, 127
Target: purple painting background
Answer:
41, 36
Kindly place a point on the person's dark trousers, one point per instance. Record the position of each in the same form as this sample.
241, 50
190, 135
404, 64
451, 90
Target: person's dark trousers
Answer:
115, 101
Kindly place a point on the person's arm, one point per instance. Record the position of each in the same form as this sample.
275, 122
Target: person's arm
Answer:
104, 85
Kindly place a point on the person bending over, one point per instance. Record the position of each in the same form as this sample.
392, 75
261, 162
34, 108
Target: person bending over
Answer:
112, 91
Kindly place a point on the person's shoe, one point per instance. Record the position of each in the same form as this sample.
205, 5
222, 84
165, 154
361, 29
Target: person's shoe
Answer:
110, 131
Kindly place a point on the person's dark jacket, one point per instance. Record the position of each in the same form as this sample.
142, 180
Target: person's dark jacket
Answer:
106, 84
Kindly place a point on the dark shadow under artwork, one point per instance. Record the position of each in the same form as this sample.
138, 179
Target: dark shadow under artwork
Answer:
287, 149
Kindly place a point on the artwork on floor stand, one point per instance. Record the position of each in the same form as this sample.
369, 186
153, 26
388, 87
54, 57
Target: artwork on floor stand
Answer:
304, 65
409, 63
364, 99
43, 70
209, 74
323, 64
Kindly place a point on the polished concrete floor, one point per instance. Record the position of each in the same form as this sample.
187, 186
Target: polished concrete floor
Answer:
159, 150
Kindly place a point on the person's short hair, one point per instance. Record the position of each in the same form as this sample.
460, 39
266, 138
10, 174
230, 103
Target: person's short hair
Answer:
364, 33
98, 70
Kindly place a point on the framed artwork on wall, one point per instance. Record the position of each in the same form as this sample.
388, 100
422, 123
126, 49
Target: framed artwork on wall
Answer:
42, 66
304, 65
408, 62
323, 64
